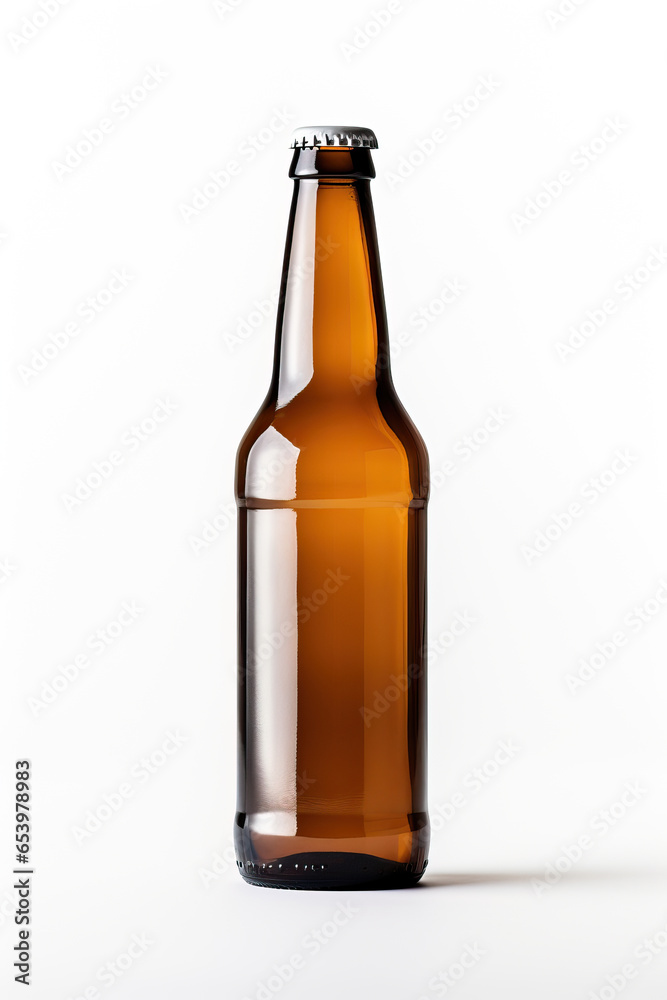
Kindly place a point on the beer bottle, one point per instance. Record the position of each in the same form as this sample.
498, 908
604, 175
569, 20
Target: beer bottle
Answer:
331, 487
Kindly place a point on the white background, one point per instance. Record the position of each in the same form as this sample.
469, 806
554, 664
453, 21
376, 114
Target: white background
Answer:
160, 866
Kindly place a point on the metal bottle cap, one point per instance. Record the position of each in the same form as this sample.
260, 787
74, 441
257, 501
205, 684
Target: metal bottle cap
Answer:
312, 136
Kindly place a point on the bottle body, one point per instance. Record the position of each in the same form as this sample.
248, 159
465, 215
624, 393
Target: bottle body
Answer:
332, 491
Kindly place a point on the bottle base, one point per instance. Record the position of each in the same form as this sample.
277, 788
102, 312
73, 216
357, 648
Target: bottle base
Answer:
333, 871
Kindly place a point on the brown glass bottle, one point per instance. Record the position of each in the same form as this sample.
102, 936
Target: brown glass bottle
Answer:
332, 485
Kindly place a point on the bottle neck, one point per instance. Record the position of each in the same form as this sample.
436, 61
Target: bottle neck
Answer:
332, 331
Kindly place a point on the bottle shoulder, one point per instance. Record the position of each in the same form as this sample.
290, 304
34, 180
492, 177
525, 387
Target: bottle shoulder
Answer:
338, 446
